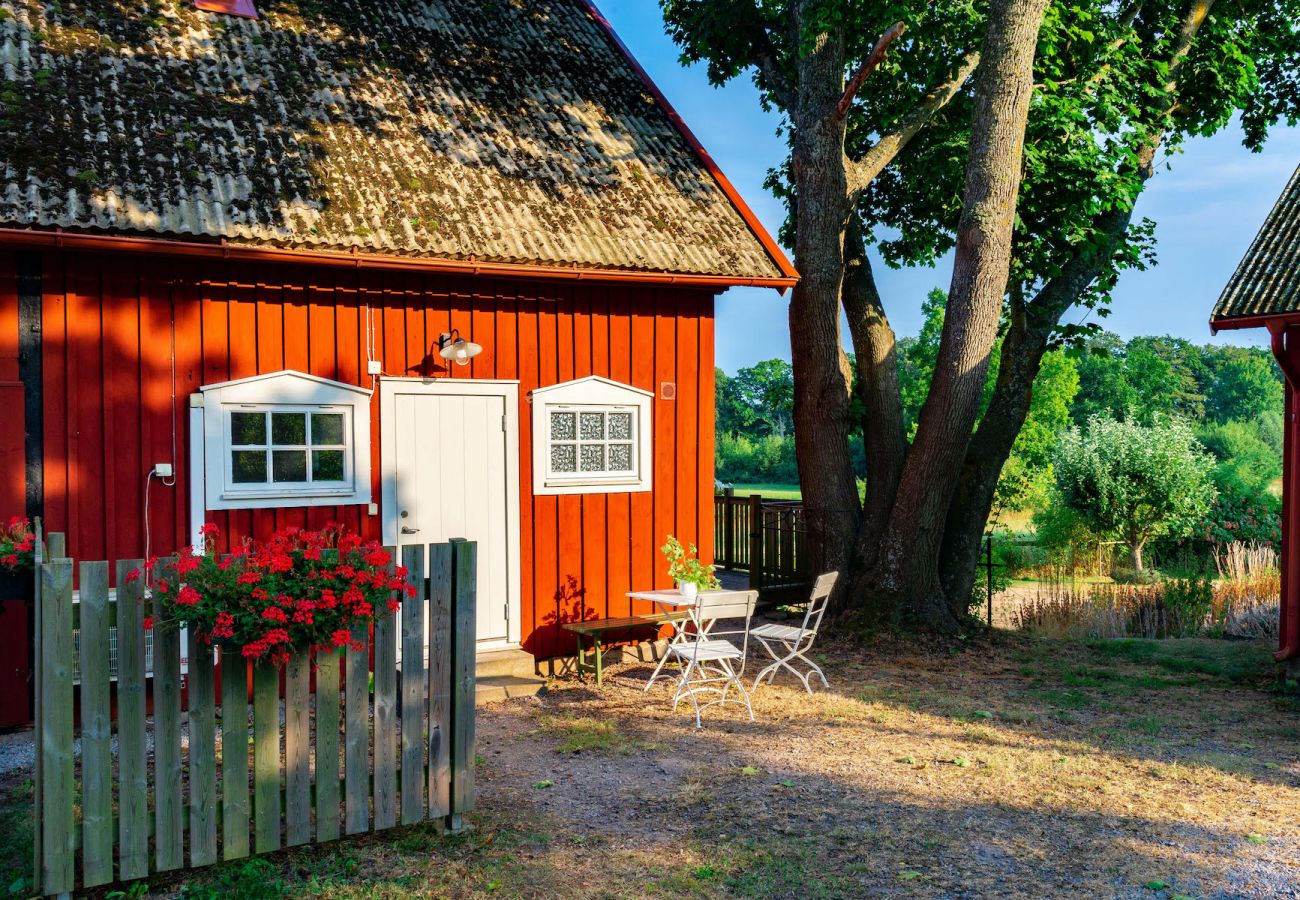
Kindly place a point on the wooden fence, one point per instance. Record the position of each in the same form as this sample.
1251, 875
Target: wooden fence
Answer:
766, 538
405, 745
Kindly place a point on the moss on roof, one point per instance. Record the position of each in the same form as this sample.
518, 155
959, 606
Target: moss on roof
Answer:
498, 130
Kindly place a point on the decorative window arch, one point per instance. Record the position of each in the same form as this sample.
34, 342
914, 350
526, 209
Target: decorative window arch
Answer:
591, 436
285, 439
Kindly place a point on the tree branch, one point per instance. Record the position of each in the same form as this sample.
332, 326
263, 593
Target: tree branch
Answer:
864, 170
766, 60
877, 55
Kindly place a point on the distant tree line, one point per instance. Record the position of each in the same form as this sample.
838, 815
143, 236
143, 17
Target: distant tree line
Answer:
1227, 398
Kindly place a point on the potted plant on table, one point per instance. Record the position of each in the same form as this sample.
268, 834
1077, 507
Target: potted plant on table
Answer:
685, 569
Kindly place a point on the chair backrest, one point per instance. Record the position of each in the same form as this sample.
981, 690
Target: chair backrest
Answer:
714, 606
821, 595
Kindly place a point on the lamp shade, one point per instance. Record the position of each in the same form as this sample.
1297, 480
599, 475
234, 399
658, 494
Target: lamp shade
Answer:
460, 351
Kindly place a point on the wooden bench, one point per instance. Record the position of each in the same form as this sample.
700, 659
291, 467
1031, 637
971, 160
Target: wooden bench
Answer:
595, 629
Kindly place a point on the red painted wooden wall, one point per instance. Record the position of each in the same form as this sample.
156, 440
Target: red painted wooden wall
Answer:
113, 405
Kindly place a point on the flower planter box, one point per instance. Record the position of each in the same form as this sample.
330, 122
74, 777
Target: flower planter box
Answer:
16, 614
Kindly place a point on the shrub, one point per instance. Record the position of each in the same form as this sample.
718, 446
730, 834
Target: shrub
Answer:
1130, 575
299, 590
17, 545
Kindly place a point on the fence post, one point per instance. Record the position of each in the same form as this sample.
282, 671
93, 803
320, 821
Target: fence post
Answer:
38, 563
755, 541
55, 729
440, 679
463, 655
729, 526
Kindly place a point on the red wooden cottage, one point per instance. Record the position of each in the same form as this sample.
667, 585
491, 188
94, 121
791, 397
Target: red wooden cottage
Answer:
1265, 292
232, 250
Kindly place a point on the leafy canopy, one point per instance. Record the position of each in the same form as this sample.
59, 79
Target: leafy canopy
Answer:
1135, 481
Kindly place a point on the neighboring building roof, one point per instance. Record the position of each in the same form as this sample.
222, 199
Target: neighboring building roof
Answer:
506, 131
1267, 281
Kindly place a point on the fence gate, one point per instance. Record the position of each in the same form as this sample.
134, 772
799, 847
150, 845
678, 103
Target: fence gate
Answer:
404, 742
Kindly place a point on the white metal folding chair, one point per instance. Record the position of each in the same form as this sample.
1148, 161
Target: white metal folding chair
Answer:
786, 643
711, 663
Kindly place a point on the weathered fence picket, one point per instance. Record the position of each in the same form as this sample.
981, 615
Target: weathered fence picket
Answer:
57, 868
234, 755
96, 728
327, 744
168, 832
132, 758
440, 678
432, 747
385, 748
297, 749
203, 757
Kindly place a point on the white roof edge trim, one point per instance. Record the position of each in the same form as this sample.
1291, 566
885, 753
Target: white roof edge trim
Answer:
599, 379
287, 373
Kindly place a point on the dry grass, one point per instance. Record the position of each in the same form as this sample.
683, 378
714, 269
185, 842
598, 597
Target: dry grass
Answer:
1245, 607
1012, 767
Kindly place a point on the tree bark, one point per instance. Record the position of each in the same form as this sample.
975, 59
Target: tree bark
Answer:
883, 430
821, 377
1028, 338
906, 572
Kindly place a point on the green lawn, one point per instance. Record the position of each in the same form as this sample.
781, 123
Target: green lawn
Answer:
771, 491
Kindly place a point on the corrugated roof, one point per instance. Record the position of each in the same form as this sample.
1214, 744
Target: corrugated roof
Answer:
510, 131
1267, 281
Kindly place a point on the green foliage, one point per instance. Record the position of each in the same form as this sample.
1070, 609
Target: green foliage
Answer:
756, 460
1135, 481
758, 400
1234, 517
1246, 464
684, 566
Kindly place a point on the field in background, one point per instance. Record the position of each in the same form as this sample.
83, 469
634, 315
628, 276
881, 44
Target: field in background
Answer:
771, 491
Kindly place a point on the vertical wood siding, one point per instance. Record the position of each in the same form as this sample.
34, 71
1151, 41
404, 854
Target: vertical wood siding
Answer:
113, 404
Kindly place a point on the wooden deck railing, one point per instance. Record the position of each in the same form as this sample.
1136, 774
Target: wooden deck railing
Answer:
765, 537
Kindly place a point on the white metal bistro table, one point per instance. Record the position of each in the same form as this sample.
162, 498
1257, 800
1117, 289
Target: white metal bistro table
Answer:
669, 601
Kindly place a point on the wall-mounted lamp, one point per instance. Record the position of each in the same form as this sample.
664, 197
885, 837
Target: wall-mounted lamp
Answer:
453, 347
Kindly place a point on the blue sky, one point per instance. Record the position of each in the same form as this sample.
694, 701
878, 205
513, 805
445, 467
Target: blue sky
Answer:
1207, 209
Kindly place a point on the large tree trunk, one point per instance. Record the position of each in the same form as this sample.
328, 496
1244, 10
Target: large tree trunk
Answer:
821, 376
883, 430
906, 572
1028, 338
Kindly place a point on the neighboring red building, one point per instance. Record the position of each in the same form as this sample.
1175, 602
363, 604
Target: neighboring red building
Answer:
192, 202
1265, 292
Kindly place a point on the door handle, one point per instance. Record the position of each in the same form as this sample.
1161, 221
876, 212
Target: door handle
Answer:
407, 529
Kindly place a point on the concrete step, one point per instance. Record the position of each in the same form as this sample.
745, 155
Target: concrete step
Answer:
494, 688
518, 663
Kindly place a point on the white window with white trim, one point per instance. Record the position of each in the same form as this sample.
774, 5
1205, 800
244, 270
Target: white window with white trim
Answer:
591, 436
285, 439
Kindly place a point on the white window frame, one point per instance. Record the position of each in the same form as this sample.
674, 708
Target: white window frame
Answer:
592, 394
285, 391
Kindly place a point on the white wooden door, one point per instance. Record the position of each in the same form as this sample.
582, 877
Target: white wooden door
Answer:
451, 470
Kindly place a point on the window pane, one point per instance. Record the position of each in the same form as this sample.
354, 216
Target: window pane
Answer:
248, 428
593, 426
563, 458
620, 457
562, 426
327, 428
248, 466
593, 457
288, 465
289, 428
327, 465
620, 426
